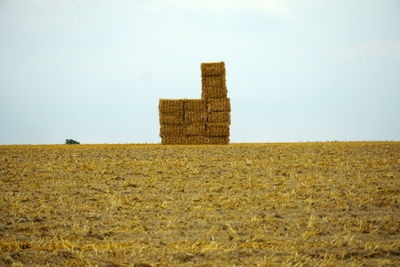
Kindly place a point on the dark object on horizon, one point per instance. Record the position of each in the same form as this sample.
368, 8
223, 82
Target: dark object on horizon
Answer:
71, 142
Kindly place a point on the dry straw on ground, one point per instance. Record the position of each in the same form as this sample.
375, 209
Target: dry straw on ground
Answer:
307, 204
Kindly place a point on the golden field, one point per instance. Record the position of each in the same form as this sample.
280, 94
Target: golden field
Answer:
300, 204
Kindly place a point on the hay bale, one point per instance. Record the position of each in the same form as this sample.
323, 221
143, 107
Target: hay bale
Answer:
217, 129
197, 129
211, 69
219, 117
215, 105
214, 81
213, 92
171, 106
195, 105
218, 140
172, 118
191, 117
173, 140
171, 130
196, 140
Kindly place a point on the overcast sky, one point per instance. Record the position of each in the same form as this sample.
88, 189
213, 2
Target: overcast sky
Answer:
297, 70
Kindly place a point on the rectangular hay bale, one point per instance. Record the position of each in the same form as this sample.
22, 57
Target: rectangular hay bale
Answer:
215, 68
213, 92
171, 130
191, 117
217, 129
218, 140
171, 105
214, 81
195, 129
195, 105
214, 105
173, 140
219, 117
196, 140
172, 118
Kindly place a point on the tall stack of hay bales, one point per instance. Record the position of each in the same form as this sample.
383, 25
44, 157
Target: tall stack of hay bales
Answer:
199, 121
214, 91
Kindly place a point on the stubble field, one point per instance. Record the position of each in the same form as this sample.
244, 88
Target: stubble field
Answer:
241, 204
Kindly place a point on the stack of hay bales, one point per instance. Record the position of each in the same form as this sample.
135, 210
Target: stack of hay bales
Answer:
195, 119
214, 91
198, 121
171, 121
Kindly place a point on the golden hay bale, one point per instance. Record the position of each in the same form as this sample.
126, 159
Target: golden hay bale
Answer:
171, 130
217, 129
218, 140
219, 117
195, 129
171, 105
210, 69
191, 117
223, 104
195, 105
213, 92
173, 140
196, 140
172, 118
214, 81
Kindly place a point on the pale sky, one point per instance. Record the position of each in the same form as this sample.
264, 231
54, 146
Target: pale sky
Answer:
297, 70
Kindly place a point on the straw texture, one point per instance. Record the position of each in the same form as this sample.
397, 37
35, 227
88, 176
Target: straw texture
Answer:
218, 140
171, 130
195, 117
195, 129
195, 105
173, 140
217, 129
171, 106
214, 81
214, 105
172, 118
219, 117
214, 93
211, 69
196, 140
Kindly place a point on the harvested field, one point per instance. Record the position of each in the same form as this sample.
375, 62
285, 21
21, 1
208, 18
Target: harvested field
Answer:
241, 204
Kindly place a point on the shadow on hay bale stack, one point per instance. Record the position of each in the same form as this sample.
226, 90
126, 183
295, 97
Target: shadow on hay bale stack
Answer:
199, 121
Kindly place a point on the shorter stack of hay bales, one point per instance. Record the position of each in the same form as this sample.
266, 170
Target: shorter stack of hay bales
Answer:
171, 121
183, 121
199, 121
